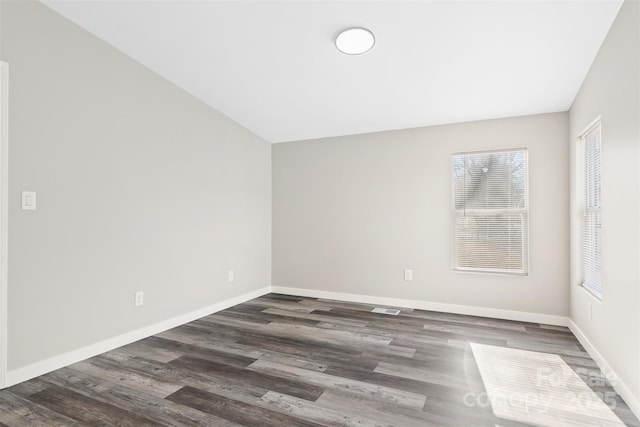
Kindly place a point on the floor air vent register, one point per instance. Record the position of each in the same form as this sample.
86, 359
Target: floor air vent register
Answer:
390, 311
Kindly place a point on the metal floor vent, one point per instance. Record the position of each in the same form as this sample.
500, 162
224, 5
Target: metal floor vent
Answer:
391, 311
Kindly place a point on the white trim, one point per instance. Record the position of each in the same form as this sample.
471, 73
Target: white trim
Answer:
4, 177
619, 386
39, 368
496, 313
497, 150
595, 122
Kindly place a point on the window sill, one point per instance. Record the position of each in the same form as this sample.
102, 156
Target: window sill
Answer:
491, 273
597, 298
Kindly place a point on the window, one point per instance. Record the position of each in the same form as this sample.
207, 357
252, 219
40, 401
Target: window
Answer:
591, 213
490, 210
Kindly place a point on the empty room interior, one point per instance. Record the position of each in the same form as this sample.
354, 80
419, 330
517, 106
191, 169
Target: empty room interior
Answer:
320, 213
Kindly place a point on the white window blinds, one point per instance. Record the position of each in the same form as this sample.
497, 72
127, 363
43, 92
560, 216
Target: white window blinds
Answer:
592, 217
490, 210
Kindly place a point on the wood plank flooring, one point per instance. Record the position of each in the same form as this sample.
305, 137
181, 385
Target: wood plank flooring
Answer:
280, 360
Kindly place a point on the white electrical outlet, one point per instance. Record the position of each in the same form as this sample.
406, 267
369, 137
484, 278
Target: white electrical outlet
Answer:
230, 276
408, 274
139, 298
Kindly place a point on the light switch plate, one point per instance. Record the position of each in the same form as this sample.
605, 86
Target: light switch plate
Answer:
28, 200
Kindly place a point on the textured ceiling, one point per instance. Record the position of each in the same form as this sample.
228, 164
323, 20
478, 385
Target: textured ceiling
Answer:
272, 65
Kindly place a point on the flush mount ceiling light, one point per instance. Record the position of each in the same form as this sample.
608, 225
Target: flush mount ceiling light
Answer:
355, 41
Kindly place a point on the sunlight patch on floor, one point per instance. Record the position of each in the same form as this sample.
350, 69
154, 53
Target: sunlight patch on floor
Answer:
540, 389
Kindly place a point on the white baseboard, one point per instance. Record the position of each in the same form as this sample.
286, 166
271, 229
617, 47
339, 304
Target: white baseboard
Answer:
48, 365
620, 387
548, 319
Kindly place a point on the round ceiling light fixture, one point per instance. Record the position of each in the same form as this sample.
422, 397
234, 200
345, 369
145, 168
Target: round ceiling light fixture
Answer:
355, 41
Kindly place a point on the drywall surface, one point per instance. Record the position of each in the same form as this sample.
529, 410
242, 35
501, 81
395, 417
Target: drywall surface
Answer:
351, 213
139, 185
612, 90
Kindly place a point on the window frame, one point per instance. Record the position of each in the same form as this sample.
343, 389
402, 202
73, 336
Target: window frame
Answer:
596, 291
525, 272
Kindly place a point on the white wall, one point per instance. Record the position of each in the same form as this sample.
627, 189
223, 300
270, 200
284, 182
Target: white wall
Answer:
350, 213
612, 90
139, 186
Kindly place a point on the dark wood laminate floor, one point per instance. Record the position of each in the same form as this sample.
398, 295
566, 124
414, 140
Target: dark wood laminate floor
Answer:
289, 361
